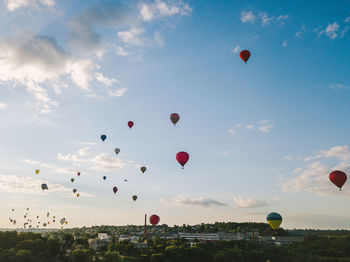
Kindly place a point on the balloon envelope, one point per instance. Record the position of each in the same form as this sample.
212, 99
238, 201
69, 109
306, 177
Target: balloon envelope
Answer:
44, 186
78, 195
104, 177
72, 179
245, 54
274, 219
74, 190
117, 150
130, 124
154, 220
115, 189
134, 197
338, 178
182, 158
143, 169
37, 171
174, 118
103, 137
78, 173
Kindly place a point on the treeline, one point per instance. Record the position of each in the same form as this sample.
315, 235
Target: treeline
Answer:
263, 228
64, 247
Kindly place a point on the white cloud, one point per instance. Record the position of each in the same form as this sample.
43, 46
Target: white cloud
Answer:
332, 31
249, 202
28, 185
12, 5
247, 17
284, 44
98, 162
121, 51
314, 178
160, 8
249, 126
2, 105
236, 49
265, 19
265, 128
337, 86
281, 19
262, 126
117, 93
232, 131
301, 32
158, 39
181, 200
133, 36
105, 80
82, 73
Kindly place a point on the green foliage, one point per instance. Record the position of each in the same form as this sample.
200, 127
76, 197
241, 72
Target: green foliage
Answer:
81, 255
112, 256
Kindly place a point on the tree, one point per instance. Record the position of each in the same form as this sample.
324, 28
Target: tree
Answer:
112, 256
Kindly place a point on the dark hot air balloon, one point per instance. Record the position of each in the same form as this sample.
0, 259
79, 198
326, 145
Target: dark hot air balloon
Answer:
130, 124
103, 137
134, 197
104, 177
154, 220
143, 169
78, 173
74, 190
174, 118
245, 54
182, 158
115, 189
338, 178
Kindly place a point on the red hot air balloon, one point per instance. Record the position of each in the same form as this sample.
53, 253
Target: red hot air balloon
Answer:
78, 173
154, 220
130, 124
182, 158
115, 189
245, 54
338, 178
174, 118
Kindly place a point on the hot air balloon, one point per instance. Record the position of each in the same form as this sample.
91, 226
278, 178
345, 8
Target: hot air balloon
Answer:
44, 186
54, 221
182, 158
274, 219
78, 173
115, 189
104, 177
72, 180
66, 222
74, 190
143, 169
48, 222
125, 180
134, 197
154, 220
117, 150
338, 178
37, 171
130, 124
245, 54
62, 220
103, 137
27, 208
13, 209
174, 118
37, 216
78, 195
54, 217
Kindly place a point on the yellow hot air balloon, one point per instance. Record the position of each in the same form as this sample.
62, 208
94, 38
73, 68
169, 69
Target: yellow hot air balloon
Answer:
37, 171
274, 219
78, 195
66, 222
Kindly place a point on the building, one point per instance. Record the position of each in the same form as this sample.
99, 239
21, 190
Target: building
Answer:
281, 241
211, 236
102, 240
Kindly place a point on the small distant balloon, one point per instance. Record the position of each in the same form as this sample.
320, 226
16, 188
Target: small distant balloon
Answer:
154, 220
245, 54
134, 197
74, 190
182, 158
78, 195
44, 186
117, 150
104, 177
130, 124
274, 219
174, 118
143, 169
37, 171
338, 178
78, 173
72, 180
115, 189
103, 137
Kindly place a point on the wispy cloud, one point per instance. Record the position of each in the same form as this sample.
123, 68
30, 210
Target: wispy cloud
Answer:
181, 200
13, 5
301, 32
235, 49
262, 126
314, 177
249, 202
247, 17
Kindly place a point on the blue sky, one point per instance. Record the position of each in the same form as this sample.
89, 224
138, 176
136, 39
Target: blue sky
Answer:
262, 136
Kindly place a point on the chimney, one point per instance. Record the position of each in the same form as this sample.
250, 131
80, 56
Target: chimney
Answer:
145, 229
